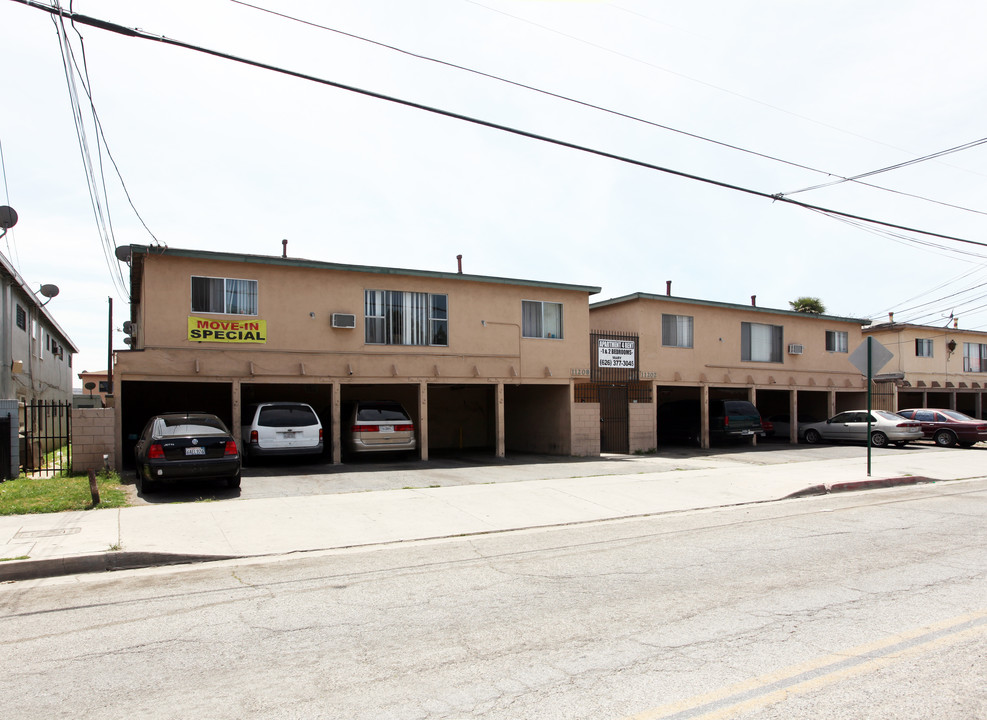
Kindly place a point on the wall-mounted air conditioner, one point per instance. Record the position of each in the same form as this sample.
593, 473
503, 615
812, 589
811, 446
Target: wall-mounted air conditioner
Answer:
343, 320
795, 349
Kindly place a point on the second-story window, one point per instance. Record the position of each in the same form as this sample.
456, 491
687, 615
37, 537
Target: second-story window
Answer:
923, 347
395, 317
836, 341
974, 357
224, 296
761, 343
21, 318
541, 319
676, 331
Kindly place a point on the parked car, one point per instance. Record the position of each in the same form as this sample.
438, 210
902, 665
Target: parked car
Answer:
188, 446
885, 427
378, 425
679, 421
281, 428
783, 423
948, 427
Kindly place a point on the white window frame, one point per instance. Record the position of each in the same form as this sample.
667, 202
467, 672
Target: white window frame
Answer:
974, 357
229, 293
533, 311
760, 342
405, 317
677, 330
837, 341
923, 347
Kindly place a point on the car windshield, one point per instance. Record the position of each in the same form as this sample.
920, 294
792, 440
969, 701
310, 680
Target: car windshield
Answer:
181, 427
287, 416
381, 412
955, 415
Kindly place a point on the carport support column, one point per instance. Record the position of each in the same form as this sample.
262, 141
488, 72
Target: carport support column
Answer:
830, 403
499, 420
237, 411
793, 416
423, 419
704, 417
752, 399
336, 425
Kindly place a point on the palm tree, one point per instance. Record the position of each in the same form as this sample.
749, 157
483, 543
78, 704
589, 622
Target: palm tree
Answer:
808, 305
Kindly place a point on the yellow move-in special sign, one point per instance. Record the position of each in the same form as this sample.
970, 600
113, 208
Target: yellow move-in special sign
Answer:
227, 331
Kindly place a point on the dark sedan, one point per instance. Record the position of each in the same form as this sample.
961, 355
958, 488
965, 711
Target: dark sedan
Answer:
177, 447
948, 427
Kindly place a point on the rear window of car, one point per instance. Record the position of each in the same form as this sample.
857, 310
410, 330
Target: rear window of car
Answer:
738, 408
287, 416
192, 423
380, 412
954, 415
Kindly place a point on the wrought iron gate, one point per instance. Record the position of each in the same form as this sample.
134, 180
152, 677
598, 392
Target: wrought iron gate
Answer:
46, 437
613, 419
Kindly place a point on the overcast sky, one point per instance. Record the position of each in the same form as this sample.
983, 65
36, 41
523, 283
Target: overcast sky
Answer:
221, 156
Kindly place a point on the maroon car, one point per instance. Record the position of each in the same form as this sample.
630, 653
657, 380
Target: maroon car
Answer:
948, 427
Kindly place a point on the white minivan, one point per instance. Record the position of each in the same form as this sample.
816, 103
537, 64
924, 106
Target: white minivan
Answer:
281, 428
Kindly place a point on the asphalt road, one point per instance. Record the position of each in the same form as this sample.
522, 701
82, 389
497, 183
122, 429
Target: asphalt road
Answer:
869, 605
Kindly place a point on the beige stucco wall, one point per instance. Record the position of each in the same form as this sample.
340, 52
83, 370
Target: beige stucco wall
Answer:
297, 303
943, 369
716, 352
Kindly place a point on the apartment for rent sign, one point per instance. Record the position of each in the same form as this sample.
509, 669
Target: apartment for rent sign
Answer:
227, 331
616, 353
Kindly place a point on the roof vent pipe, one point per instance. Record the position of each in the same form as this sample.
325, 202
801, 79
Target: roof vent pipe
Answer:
891, 318
459, 260
956, 322
754, 300
668, 287
284, 248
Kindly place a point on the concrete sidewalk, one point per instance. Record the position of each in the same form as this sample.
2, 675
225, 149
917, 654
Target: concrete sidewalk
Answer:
97, 540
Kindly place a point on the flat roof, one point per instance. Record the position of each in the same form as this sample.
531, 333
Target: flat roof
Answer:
731, 306
320, 265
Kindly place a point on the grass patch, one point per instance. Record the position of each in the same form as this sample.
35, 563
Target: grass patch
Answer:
27, 495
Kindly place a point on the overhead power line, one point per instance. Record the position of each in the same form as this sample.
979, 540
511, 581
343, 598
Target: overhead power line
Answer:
616, 113
136, 33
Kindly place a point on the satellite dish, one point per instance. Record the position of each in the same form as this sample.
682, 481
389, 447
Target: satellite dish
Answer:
49, 291
8, 217
128, 341
128, 327
90, 386
123, 253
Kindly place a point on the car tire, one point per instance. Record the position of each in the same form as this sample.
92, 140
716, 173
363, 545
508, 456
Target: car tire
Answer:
145, 486
944, 438
878, 439
233, 482
812, 437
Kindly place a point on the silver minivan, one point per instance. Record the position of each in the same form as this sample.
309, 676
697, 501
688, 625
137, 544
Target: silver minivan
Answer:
378, 426
281, 428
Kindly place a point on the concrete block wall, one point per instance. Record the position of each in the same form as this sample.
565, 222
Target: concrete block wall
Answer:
642, 427
586, 429
92, 437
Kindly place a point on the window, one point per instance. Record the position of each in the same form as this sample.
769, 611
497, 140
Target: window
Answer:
760, 343
395, 317
104, 386
923, 348
974, 357
541, 319
836, 341
676, 331
224, 295
21, 318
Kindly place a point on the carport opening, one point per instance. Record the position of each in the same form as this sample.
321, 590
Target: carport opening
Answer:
140, 400
406, 395
461, 420
318, 396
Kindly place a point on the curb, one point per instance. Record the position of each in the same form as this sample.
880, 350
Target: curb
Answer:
830, 488
102, 562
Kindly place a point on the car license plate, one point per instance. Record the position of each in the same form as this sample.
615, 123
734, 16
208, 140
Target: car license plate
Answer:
289, 434
195, 451
746, 432
386, 428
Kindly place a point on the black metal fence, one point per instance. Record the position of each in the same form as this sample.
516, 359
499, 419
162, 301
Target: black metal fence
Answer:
46, 437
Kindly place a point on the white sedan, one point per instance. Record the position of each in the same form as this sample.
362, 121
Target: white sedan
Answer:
885, 427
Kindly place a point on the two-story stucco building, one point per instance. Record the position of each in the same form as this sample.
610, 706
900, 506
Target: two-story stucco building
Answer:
479, 362
943, 367
784, 362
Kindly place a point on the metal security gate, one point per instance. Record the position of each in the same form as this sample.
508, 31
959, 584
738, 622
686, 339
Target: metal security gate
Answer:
883, 396
614, 419
46, 437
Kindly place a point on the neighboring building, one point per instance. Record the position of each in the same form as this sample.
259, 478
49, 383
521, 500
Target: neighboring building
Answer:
784, 362
95, 396
942, 367
479, 362
37, 366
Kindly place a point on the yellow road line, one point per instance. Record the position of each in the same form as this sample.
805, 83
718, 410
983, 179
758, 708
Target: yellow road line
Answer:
855, 662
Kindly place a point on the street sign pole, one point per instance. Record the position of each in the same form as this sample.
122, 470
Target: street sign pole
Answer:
870, 372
